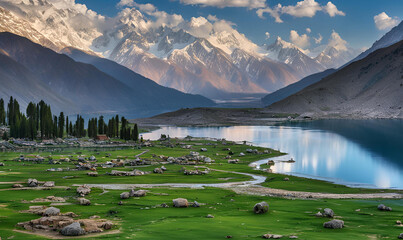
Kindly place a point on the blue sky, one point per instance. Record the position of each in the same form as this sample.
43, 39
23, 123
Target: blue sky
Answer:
357, 26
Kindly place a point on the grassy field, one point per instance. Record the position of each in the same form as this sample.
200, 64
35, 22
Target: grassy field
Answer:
143, 218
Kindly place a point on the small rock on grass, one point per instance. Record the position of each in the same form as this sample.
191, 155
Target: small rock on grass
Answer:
327, 212
124, 195
319, 214
261, 207
272, 236
180, 203
400, 236
209, 216
334, 224
382, 207
73, 229
84, 201
52, 211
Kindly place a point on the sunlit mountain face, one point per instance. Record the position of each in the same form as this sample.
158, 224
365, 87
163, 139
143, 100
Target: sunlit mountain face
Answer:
202, 53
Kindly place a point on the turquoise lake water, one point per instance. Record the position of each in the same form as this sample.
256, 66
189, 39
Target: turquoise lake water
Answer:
358, 153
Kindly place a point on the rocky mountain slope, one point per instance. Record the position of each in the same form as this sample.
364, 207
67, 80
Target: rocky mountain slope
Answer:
88, 88
295, 87
370, 87
393, 36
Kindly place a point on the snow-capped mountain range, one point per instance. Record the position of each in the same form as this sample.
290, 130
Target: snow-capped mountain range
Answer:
221, 61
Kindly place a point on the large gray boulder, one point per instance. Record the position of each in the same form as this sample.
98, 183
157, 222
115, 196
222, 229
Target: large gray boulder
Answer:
32, 182
52, 211
180, 202
261, 207
83, 190
73, 229
327, 212
334, 224
382, 207
400, 236
49, 184
124, 195
138, 193
84, 201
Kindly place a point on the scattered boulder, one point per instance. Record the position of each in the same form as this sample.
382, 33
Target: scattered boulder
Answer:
233, 161
398, 222
92, 174
163, 168
382, 207
2, 164
49, 184
286, 179
124, 195
92, 158
319, 214
272, 236
107, 225
334, 224
261, 207
84, 201
249, 150
83, 190
195, 204
49, 199
17, 185
164, 205
209, 216
32, 182
400, 236
158, 170
73, 229
327, 212
203, 149
52, 211
293, 237
241, 154
180, 202
138, 193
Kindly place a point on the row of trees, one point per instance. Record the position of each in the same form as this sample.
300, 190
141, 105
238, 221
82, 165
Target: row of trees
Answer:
99, 127
39, 122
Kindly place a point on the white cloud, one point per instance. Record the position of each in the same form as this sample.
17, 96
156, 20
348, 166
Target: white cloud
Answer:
384, 22
301, 41
337, 42
308, 30
274, 13
226, 3
319, 39
332, 10
267, 34
304, 8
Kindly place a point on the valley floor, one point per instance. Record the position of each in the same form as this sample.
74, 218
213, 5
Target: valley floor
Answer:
228, 192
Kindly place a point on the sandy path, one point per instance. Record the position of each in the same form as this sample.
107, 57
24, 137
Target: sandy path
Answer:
264, 191
252, 188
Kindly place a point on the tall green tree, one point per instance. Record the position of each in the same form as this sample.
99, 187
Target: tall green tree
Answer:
2, 113
61, 125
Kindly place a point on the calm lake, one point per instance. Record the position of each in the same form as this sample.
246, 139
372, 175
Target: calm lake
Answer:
358, 153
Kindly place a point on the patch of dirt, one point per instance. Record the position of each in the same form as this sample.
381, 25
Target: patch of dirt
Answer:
263, 191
